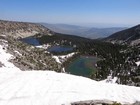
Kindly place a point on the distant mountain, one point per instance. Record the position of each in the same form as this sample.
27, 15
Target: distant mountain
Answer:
66, 29
130, 35
22, 29
102, 32
83, 31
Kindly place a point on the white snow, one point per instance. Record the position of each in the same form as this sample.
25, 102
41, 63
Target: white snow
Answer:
137, 63
4, 41
45, 46
51, 88
62, 58
4, 59
57, 59
17, 52
110, 80
2, 35
67, 56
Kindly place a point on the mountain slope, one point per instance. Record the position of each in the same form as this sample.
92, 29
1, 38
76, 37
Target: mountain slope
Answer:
83, 31
66, 29
25, 56
103, 32
43, 87
131, 35
4, 60
22, 29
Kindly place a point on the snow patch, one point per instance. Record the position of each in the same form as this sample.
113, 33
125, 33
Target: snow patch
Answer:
17, 52
56, 59
45, 46
63, 58
110, 80
4, 59
2, 35
137, 63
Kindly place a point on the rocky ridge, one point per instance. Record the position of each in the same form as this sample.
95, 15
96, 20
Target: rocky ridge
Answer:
26, 57
129, 36
22, 29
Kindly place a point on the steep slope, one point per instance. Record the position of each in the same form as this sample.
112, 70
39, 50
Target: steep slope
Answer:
24, 56
5, 57
22, 29
131, 35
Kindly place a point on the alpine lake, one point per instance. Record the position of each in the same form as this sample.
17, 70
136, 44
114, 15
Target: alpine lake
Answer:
81, 66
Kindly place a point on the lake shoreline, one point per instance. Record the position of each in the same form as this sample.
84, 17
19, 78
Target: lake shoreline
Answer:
82, 65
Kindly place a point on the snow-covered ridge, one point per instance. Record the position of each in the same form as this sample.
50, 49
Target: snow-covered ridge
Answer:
22, 29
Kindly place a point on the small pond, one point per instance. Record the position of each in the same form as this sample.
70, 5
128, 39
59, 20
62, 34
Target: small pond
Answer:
31, 40
83, 66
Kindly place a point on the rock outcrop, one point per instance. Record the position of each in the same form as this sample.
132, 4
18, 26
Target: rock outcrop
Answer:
22, 29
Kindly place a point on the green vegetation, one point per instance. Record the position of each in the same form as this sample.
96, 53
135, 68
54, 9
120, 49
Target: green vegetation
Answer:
87, 47
116, 60
115, 103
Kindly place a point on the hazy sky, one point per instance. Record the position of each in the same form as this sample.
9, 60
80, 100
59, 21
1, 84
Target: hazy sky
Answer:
81, 12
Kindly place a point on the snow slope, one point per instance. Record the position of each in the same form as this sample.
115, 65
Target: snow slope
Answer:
51, 88
4, 59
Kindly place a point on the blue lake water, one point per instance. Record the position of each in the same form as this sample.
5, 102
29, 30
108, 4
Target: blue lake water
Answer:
60, 49
83, 66
31, 40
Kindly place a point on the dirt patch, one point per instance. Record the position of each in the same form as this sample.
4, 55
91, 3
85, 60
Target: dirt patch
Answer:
1, 64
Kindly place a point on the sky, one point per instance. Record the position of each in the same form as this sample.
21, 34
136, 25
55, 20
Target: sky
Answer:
78, 12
